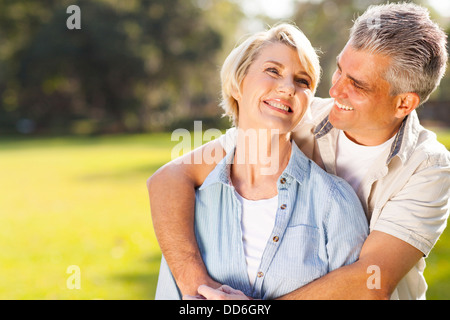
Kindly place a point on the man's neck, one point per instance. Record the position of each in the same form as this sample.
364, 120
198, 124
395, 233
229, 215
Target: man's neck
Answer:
369, 138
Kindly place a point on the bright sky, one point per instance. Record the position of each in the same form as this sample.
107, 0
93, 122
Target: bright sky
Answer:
279, 9
276, 9
441, 6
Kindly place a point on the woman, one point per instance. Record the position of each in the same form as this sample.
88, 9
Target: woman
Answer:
268, 229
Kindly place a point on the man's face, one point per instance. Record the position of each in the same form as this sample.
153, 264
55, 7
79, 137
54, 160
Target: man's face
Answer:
363, 107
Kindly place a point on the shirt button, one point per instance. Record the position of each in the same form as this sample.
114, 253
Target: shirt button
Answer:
260, 274
275, 239
283, 180
283, 206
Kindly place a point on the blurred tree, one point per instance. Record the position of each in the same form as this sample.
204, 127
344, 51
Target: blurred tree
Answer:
90, 73
19, 21
140, 65
136, 65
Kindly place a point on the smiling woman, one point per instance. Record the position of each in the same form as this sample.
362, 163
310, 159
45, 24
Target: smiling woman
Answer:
268, 233
237, 64
278, 91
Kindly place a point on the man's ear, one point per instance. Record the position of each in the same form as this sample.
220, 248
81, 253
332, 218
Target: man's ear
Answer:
406, 103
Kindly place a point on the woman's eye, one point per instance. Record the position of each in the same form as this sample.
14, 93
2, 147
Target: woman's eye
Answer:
273, 70
303, 82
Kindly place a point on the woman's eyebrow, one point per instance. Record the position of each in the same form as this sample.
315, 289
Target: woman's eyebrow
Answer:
280, 65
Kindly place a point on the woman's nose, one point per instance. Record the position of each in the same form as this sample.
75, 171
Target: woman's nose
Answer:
287, 87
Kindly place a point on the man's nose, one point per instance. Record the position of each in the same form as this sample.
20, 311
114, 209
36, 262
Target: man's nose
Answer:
336, 89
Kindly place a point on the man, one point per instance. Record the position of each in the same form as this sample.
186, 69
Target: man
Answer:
369, 134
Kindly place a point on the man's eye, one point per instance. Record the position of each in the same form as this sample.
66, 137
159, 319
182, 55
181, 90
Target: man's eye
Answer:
356, 85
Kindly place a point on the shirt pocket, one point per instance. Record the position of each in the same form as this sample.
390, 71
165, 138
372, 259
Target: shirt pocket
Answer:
297, 260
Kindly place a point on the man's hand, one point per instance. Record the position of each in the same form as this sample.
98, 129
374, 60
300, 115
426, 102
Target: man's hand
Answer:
222, 293
191, 289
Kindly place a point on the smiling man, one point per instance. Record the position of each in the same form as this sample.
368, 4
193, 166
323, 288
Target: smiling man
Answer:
364, 108
369, 134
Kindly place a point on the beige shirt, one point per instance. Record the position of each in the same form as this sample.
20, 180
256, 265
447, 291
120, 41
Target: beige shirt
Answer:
406, 191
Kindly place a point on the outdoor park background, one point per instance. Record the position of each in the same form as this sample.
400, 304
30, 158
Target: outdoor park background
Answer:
86, 117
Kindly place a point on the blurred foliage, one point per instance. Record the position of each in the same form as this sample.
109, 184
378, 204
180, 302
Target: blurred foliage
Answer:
140, 65
327, 24
133, 66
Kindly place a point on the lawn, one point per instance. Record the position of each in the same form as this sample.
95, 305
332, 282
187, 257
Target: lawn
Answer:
83, 202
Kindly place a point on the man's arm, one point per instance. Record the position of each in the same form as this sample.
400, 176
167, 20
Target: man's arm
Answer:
381, 251
172, 201
422, 207
418, 212
393, 258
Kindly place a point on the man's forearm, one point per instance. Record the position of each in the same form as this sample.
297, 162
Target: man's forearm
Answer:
390, 255
346, 283
172, 202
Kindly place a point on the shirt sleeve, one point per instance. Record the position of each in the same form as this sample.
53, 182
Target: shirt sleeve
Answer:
418, 213
346, 227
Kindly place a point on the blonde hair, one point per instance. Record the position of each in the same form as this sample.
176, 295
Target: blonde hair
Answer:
237, 63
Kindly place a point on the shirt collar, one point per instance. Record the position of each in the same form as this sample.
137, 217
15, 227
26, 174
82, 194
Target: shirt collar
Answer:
297, 168
404, 142
221, 173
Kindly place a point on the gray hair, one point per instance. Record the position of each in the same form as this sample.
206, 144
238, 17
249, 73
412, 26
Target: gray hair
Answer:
416, 45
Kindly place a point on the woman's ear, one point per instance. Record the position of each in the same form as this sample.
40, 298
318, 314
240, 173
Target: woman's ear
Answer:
236, 93
406, 103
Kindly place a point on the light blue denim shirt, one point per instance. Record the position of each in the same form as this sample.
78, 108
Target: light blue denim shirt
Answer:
320, 226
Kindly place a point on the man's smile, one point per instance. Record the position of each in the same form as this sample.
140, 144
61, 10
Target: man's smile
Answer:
343, 107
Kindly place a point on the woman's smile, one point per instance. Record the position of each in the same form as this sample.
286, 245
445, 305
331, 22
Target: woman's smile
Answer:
279, 105
276, 90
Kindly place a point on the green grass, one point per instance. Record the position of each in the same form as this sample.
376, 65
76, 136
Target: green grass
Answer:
83, 201
78, 201
437, 272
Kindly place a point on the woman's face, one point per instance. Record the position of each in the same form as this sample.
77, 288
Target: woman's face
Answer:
276, 91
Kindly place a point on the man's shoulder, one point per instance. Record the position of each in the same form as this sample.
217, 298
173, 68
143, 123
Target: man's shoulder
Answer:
428, 144
320, 107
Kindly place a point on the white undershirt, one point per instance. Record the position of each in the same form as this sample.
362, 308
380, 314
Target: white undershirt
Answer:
354, 160
258, 216
257, 222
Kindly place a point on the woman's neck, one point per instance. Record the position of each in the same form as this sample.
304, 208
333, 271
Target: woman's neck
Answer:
260, 158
